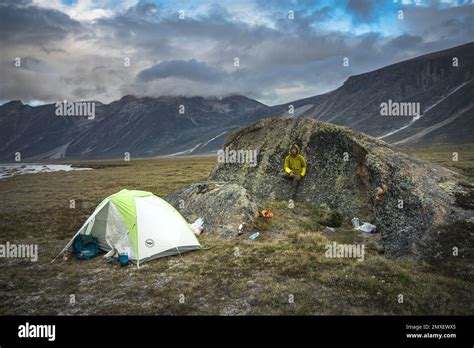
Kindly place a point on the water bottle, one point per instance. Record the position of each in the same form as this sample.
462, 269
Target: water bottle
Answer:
254, 236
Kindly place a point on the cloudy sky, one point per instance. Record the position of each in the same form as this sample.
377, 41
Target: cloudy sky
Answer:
286, 50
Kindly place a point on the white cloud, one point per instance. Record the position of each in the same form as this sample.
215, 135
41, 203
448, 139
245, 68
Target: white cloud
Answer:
87, 10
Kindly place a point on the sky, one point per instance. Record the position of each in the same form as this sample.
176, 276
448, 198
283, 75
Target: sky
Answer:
272, 51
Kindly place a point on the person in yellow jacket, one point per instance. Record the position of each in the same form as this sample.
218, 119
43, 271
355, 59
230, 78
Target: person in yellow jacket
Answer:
295, 167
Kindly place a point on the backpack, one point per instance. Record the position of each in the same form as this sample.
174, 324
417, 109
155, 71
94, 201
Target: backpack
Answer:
85, 247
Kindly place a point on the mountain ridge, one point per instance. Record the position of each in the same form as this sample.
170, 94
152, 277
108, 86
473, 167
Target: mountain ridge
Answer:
180, 125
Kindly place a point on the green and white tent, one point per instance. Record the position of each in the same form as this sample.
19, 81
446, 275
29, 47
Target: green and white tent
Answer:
139, 224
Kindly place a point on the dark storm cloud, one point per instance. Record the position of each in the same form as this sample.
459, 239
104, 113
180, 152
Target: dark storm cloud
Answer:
15, 2
362, 9
440, 28
30, 63
280, 59
223, 40
143, 11
405, 42
190, 70
33, 25
453, 22
158, 31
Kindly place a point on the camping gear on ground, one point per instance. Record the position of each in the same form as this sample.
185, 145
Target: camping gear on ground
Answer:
197, 226
266, 214
112, 260
123, 259
140, 224
366, 227
241, 229
254, 235
85, 247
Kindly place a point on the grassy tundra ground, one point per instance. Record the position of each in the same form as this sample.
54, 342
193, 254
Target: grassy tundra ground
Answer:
446, 155
284, 271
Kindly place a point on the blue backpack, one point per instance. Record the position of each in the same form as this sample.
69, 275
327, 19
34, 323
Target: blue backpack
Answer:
85, 247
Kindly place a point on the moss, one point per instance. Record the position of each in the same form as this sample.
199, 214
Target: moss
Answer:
448, 186
288, 258
333, 220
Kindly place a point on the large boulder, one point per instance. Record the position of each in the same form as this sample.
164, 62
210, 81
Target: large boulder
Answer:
352, 173
223, 206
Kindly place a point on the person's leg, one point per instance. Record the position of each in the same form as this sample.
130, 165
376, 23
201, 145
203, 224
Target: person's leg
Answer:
295, 185
296, 180
287, 177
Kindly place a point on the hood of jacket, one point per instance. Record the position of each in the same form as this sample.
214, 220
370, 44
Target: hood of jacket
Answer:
297, 149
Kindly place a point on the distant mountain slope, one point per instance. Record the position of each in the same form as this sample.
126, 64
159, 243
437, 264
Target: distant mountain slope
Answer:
140, 126
35, 130
148, 126
445, 94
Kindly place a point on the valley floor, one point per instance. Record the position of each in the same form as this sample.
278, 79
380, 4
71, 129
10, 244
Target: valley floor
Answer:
284, 271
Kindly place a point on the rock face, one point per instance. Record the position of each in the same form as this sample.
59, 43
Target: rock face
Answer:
223, 206
354, 174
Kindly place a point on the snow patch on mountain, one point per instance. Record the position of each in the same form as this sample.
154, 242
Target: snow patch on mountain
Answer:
416, 118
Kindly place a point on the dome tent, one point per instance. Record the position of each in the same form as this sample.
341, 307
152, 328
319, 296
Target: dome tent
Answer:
139, 224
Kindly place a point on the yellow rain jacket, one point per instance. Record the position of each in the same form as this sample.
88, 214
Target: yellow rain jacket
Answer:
295, 164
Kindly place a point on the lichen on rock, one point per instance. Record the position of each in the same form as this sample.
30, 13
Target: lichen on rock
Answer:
223, 206
353, 174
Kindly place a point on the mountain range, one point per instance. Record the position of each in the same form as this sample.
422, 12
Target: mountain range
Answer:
440, 83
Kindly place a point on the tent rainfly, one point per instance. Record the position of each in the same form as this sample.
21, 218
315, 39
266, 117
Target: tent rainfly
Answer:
139, 224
